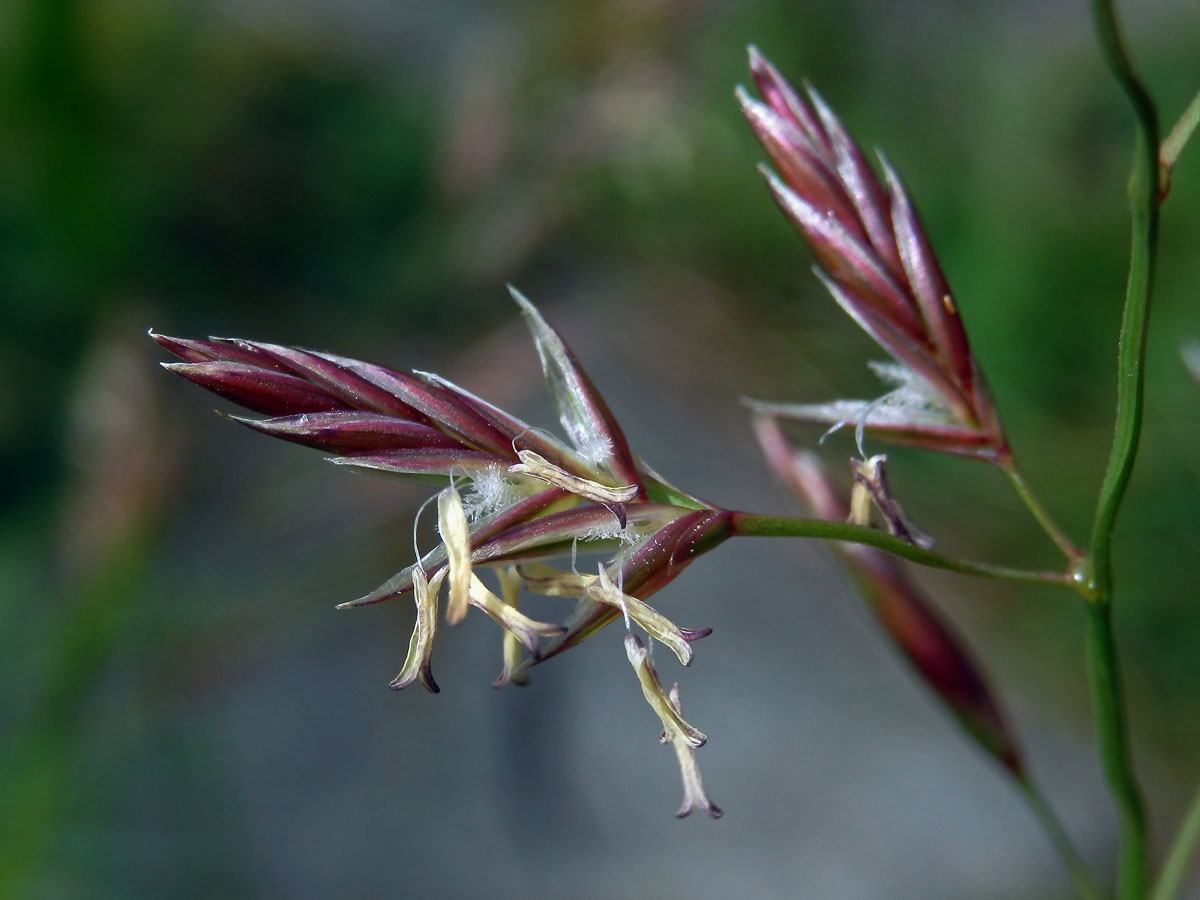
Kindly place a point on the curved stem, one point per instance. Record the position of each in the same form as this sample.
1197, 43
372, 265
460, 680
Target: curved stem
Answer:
1039, 512
751, 525
1131, 353
1180, 855
1085, 883
1103, 668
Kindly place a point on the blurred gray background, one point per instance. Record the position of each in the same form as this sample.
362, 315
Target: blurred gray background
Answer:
183, 713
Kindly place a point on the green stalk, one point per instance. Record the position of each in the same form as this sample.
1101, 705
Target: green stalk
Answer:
751, 525
1085, 883
1038, 511
1112, 736
1179, 858
1180, 855
1175, 141
1103, 669
1143, 201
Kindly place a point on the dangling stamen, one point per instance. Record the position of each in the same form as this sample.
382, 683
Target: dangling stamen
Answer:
524, 629
514, 668
539, 467
694, 794
452, 523
420, 646
652, 689
871, 487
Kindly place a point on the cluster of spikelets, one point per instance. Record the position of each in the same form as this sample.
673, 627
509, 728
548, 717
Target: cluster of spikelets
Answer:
515, 498
875, 260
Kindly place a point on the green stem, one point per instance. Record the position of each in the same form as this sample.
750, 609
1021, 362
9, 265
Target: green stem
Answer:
751, 525
1085, 883
1103, 668
1112, 730
1039, 512
1131, 353
1176, 140
1180, 855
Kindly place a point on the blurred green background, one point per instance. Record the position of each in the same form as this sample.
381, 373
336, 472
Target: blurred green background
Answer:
183, 714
